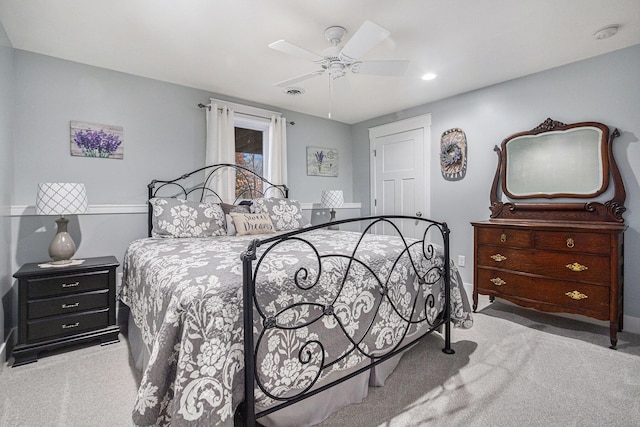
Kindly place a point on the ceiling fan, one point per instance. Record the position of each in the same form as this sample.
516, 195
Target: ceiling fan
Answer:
337, 60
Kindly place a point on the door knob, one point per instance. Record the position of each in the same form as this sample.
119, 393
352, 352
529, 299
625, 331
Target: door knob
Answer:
419, 214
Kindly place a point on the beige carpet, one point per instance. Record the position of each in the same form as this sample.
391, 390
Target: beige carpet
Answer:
515, 367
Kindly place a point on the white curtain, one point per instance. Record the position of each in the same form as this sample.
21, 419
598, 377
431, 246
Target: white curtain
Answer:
221, 148
275, 169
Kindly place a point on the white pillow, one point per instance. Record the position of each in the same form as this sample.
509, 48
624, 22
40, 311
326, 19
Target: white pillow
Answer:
252, 223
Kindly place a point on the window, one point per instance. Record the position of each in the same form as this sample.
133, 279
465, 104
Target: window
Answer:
249, 153
247, 136
251, 136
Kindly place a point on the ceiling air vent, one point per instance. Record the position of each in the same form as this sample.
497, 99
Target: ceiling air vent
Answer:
294, 91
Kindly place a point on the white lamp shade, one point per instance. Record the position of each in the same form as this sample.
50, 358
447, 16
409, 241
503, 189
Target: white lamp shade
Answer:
61, 198
332, 198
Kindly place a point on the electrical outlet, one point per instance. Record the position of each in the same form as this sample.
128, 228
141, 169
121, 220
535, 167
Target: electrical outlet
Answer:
461, 260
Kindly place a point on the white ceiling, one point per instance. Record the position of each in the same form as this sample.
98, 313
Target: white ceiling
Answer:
221, 45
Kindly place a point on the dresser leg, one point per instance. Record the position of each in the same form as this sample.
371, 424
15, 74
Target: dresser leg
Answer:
613, 334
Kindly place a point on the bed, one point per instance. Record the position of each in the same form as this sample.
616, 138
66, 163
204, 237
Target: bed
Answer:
330, 312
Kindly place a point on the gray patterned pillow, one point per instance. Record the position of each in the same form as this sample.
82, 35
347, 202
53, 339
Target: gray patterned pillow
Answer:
286, 214
182, 218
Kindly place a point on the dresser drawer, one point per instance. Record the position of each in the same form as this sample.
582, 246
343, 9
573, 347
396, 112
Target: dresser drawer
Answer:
594, 243
61, 285
61, 326
506, 258
67, 304
504, 237
558, 265
593, 299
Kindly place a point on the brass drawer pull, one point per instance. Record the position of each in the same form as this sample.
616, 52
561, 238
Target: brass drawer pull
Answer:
503, 237
576, 295
498, 281
576, 267
74, 305
570, 242
70, 285
498, 257
72, 325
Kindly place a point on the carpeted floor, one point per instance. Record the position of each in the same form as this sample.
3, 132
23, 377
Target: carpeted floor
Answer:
515, 367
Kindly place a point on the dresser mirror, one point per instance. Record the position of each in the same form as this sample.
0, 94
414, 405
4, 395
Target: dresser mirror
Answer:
556, 160
570, 162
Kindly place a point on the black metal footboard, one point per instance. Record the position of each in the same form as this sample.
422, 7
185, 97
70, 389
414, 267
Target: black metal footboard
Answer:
320, 285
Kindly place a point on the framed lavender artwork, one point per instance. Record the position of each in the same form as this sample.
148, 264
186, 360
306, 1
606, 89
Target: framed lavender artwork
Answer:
322, 161
95, 140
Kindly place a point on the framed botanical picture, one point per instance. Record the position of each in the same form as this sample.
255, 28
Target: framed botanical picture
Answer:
322, 161
94, 140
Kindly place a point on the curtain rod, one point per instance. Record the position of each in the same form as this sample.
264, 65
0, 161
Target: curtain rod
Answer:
201, 105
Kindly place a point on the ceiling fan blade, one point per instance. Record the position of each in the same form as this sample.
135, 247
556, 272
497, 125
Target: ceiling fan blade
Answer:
367, 36
381, 68
295, 50
297, 79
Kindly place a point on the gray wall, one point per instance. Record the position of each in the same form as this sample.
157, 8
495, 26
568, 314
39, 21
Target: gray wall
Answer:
604, 89
164, 134
6, 183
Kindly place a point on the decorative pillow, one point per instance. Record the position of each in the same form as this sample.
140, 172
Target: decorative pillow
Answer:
286, 214
227, 209
252, 223
183, 218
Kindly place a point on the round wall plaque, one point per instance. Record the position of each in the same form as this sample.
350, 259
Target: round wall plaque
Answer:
453, 154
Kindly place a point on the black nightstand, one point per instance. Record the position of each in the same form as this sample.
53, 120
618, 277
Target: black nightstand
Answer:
59, 306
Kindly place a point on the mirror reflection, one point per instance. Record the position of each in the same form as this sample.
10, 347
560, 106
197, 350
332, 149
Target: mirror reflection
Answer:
555, 163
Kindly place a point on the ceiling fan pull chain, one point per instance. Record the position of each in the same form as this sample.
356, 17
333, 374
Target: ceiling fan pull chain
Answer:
330, 93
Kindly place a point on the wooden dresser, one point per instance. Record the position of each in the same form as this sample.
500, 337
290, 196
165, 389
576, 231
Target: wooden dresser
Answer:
552, 266
555, 257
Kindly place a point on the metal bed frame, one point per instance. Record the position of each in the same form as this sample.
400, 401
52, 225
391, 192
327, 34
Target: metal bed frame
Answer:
250, 268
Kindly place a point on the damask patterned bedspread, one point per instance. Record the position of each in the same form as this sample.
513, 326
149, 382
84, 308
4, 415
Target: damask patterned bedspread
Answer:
185, 296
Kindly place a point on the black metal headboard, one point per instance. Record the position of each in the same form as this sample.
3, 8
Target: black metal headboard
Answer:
196, 185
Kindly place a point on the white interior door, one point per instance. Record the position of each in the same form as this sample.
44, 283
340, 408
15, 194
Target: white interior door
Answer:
400, 163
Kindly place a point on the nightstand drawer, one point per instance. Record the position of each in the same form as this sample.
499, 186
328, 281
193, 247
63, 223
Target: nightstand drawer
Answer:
60, 285
67, 304
67, 325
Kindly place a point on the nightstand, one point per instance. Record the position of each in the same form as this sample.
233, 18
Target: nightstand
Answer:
60, 306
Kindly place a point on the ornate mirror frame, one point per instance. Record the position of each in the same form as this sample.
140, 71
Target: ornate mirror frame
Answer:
558, 136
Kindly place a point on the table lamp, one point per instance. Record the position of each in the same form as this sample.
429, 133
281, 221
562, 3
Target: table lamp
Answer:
56, 198
332, 199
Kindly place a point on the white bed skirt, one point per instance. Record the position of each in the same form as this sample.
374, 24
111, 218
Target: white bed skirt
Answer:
305, 413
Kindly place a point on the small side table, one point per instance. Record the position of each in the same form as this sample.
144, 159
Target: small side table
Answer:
60, 306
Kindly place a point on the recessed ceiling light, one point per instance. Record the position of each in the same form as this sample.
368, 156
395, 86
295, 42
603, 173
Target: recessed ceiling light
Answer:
606, 32
428, 76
